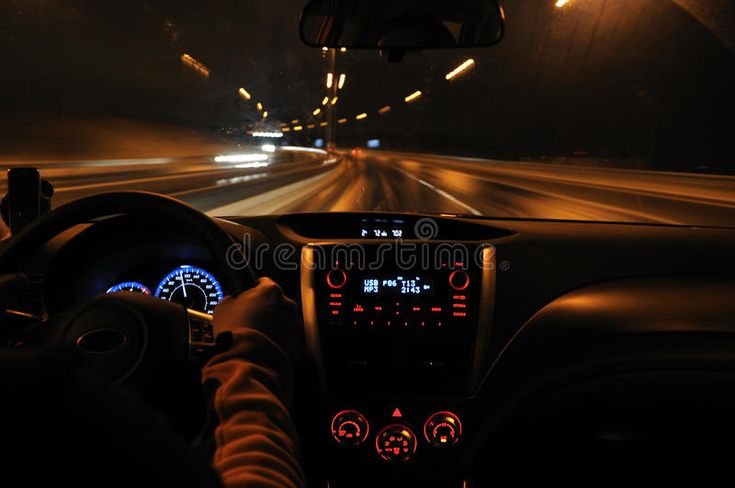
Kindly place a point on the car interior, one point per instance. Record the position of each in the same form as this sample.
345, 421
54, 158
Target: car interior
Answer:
439, 349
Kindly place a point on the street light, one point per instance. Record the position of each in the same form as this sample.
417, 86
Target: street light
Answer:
413, 96
460, 69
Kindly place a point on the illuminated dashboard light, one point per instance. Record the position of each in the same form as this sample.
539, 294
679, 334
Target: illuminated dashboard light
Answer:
336, 278
131, 286
443, 429
349, 428
396, 443
459, 280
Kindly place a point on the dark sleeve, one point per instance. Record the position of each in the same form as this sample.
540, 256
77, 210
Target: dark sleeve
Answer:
256, 441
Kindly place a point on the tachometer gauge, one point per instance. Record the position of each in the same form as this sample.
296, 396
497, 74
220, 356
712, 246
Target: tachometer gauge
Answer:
133, 286
192, 287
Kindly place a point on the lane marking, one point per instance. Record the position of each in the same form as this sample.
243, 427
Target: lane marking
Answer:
441, 192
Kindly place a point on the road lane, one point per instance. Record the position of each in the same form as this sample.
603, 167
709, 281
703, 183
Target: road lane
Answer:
386, 181
415, 182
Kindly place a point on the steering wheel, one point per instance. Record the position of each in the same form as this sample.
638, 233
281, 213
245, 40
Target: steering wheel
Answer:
128, 337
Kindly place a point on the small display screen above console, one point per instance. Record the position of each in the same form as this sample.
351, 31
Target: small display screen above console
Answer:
378, 228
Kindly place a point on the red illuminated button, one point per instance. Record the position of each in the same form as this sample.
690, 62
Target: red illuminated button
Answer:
396, 443
350, 428
459, 280
443, 429
336, 278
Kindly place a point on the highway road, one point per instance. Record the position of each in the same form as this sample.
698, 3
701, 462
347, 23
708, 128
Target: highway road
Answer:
305, 180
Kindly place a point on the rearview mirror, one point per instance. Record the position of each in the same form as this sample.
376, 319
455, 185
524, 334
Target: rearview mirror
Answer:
401, 24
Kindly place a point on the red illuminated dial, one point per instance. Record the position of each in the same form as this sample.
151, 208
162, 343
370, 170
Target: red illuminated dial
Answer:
349, 428
443, 429
336, 278
459, 280
396, 443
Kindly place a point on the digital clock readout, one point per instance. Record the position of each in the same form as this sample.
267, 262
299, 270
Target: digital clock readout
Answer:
397, 285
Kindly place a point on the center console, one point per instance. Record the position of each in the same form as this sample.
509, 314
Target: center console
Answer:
393, 335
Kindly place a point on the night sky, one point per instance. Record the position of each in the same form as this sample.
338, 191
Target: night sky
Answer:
649, 82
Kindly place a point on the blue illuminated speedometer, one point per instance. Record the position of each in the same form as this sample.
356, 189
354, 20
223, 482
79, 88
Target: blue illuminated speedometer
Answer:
192, 287
133, 286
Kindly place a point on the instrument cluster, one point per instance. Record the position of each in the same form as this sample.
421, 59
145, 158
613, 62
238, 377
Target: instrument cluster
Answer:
190, 286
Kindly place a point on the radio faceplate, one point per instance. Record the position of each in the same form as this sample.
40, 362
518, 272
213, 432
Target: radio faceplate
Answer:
384, 326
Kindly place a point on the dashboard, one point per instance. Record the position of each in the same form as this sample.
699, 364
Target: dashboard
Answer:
411, 363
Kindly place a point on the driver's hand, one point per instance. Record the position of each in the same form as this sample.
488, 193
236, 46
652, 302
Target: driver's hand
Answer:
264, 308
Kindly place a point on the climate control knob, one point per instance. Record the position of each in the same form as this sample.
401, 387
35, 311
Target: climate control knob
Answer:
443, 429
349, 428
396, 443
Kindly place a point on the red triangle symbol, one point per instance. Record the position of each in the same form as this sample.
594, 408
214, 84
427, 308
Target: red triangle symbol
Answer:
397, 413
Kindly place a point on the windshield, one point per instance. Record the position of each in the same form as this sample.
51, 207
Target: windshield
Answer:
586, 110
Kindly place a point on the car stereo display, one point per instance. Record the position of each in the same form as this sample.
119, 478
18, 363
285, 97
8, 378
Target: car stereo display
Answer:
397, 285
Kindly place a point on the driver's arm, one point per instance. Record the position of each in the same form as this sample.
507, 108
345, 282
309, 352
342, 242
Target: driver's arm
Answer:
251, 384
